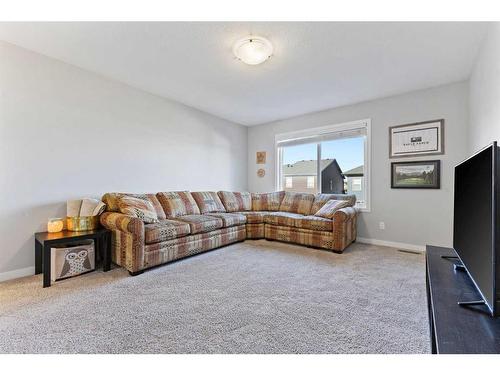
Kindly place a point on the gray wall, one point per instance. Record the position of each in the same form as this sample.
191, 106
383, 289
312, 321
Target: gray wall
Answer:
415, 217
485, 93
66, 133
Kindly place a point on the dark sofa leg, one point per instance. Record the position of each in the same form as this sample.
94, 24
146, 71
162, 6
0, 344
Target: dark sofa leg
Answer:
135, 273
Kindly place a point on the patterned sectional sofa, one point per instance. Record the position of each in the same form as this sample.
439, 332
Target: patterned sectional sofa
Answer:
180, 224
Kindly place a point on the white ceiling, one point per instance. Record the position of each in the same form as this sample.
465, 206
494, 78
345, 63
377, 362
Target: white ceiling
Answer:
315, 65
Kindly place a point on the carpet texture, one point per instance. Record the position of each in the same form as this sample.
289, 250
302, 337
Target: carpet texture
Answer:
251, 297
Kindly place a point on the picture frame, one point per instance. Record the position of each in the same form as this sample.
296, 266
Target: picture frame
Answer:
416, 139
424, 174
261, 157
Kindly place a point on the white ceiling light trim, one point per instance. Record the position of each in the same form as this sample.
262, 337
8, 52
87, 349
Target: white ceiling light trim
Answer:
253, 50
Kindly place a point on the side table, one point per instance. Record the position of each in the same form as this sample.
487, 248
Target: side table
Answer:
45, 240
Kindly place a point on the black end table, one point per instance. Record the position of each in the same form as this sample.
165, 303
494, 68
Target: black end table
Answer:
45, 240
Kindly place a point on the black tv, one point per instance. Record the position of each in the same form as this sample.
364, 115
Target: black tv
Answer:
476, 225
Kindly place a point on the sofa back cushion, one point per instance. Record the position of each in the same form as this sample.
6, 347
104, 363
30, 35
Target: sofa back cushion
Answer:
178, 203
299, 203
138, 207
330, 207
236, 201
111, 201
267, 201
320, 200
208, 201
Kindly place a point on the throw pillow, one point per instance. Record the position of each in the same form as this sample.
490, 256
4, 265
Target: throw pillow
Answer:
138, 207
330, 207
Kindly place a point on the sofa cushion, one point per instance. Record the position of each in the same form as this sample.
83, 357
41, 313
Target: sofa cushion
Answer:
299, 203
254, 217
229, 219
178, 203
321, 199
201, 223
236, 201
286, 219
330, 207
314, 223
111, 201
138, 207
165, 230
208, 201
267, 201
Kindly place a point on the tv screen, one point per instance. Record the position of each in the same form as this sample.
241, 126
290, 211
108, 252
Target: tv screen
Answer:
474, 220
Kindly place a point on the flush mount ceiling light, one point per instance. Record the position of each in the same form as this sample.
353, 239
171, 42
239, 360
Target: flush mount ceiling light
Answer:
253, 50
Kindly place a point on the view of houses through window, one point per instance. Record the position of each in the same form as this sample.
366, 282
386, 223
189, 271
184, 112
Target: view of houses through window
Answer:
332, 166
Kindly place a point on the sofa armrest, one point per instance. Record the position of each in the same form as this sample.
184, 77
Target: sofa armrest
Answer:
127, 240
345, 225
345, 214
123, 223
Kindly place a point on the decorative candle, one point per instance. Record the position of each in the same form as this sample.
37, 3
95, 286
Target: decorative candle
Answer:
55, 224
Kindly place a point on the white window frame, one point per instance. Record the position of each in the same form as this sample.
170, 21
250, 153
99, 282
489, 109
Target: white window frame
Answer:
323, 130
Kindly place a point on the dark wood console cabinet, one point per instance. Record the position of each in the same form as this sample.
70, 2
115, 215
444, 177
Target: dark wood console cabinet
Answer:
455, 329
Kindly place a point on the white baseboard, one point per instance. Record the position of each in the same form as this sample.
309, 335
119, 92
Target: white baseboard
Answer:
398, 245
21, 272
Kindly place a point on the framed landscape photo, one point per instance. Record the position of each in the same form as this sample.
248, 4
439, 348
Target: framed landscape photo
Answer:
416, 174
417, 139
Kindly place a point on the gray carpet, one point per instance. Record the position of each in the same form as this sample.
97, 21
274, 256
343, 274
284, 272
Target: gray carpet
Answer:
252, 297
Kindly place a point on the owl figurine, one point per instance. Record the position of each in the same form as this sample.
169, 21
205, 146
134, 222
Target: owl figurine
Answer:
76, 261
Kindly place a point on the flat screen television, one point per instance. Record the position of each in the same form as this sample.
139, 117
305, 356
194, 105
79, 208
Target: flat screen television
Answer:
476, 225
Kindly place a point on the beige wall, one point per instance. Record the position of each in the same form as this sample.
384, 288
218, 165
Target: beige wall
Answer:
415, 217
66, 133
485, 93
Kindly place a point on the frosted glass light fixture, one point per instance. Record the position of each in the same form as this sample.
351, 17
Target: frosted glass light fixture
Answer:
253, 50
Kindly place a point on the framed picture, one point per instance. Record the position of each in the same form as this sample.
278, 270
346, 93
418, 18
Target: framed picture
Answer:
261, 157
418, 139
416, 174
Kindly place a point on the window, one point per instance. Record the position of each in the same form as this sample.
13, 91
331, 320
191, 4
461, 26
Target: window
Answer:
356, 184
298, 162
310, 182
332, 159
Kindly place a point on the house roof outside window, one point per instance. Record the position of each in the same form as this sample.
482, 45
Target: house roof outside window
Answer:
308, 167
355, 172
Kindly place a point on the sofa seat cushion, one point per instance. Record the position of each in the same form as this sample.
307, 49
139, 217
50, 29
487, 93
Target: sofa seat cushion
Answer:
314, 223
297, 203
285, 219
236, 201
229, 219
254, 217
208, 201
165, 230
201, 223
